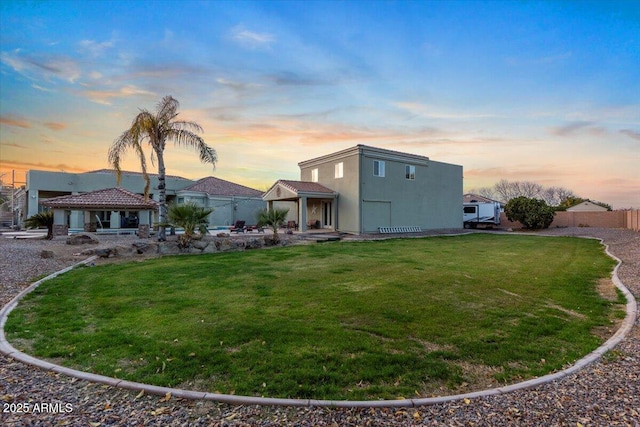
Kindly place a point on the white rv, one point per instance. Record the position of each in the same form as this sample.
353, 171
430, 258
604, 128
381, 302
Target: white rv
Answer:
481, 213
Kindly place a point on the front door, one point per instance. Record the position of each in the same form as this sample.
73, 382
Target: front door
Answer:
327, 211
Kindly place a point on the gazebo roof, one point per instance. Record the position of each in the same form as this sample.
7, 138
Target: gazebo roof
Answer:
290, 190
107, 199
305, 186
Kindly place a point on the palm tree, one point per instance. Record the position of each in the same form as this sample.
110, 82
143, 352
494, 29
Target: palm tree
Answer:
156, 129
273, 218
42, 219
190, 217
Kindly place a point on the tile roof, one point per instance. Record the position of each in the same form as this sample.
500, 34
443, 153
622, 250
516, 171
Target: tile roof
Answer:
219, 187
108, 198
305, 186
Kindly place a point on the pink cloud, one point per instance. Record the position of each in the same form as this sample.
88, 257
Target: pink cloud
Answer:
12, 120
55, 126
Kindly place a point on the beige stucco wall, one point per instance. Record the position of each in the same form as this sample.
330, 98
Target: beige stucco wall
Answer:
432, 201
347, 187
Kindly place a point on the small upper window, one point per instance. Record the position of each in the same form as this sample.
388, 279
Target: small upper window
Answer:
339, 170
378, 168
314, 175
410, 172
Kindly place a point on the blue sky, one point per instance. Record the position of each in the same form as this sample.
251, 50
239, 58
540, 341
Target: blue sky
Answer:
519, 90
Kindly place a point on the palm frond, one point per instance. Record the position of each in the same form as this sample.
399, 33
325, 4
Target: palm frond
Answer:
42, 219
156, 129
272, 218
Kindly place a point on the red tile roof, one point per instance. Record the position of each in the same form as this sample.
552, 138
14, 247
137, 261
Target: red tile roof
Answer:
219, 187
109, 198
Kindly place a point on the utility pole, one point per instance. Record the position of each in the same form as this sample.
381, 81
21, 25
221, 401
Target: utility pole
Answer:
13, 191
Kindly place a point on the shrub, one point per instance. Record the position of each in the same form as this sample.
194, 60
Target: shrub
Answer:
42, 219
191, 217
273, 218
532, 213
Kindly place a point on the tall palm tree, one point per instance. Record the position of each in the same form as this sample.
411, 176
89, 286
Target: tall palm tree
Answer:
156, 129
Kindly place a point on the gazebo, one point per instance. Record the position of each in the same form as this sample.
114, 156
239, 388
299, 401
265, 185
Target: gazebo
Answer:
116, 208
316, 204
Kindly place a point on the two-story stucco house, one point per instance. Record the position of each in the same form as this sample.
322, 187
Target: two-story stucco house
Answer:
364, 189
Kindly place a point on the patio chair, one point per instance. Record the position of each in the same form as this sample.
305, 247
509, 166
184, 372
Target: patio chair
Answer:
258, 228
292, 225
238, 227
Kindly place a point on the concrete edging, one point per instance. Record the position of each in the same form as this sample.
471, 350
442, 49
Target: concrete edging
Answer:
8, 350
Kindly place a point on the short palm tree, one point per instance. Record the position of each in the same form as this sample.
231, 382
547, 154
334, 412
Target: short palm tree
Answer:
273, 218
42, 219
191, 217
156, 129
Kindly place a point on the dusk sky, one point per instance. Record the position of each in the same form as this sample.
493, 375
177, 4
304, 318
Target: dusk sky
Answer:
519, 90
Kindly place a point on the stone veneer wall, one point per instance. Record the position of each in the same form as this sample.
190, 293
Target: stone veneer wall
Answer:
60, 229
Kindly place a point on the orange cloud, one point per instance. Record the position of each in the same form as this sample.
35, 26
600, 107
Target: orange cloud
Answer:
55, 126
20, 166
105, 96
12, 120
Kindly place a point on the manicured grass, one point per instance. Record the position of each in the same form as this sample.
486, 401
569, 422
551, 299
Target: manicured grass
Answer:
366, 320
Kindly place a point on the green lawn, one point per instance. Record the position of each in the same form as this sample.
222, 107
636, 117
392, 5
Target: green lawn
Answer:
365, 320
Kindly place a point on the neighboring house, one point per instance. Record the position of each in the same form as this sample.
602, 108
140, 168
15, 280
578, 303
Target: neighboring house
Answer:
230, 201
43, 185
363, 189
587, 206
126, 210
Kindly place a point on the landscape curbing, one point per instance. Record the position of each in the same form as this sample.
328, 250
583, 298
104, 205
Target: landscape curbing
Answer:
7, 349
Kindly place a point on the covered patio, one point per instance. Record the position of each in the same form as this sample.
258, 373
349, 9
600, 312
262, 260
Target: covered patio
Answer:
316, 205
111, 210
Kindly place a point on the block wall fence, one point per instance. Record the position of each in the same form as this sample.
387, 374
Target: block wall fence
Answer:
629, 219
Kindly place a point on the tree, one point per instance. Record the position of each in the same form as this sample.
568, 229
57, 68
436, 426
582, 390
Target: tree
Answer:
505, 190
508, 190
42, 219
554, 196
156, 129
532, 213
488, 192
190, 217
273, 218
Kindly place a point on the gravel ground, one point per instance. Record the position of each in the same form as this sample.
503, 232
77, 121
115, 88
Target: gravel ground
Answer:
606, 393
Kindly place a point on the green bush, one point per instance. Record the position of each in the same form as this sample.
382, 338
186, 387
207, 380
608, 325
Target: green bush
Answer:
191, 217
532, 213
42, 219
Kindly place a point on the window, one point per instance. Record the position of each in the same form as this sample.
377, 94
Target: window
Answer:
378, 168
410, 172
339, 170
469, 209
314, 175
